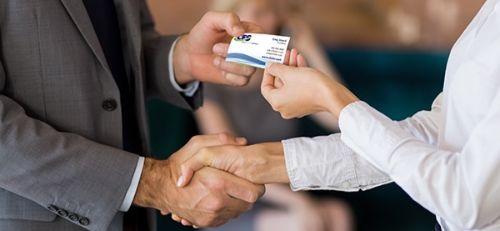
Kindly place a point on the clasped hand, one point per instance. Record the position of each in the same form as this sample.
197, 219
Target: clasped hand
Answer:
212, 198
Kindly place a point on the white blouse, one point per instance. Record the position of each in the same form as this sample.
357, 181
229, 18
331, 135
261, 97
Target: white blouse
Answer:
447, 159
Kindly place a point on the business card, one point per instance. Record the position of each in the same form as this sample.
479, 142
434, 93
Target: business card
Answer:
258, 49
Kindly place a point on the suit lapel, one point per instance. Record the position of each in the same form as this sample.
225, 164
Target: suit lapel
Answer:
77, 11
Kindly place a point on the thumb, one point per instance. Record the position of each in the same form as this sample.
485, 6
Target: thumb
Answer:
267, 85
280, 70
189, 167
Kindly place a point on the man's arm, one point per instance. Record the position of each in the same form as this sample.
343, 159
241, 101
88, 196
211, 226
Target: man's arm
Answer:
197, 56
63, 172
158, 56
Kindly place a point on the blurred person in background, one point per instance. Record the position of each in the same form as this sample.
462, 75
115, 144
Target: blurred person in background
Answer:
446, 158
246, 113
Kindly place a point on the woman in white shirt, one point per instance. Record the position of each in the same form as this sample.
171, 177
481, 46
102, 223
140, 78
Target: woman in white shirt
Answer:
447, 159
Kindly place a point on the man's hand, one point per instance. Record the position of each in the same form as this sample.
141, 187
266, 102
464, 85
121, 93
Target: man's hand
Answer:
212, 198
260, 163
200, 55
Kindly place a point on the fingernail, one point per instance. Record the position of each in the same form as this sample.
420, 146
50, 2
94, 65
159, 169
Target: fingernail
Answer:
218, 49
241, 140
238, 29
268, 64
217, 61
180, 181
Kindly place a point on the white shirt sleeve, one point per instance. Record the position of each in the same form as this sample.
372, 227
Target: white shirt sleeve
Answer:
191, 88
326, 163
424, 125
460, 186
129, 196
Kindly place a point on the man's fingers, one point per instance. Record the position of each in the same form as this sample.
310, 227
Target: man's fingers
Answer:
176, 218
233, 68
251, 27
221, 49
198, 142
228, 22
186, 222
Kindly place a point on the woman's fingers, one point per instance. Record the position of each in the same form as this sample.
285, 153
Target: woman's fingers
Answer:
293, 58
301, 61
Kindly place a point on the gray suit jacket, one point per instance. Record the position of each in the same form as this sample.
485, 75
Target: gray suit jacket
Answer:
62, 166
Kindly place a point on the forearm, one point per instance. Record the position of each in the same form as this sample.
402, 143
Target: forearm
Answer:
267, 164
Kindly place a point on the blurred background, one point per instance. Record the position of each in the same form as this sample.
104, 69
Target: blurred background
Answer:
391, 53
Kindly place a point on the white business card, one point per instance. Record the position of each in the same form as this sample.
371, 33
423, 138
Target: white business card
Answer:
258, 49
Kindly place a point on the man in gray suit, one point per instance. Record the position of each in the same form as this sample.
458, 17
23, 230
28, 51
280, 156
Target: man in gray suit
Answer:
74, 77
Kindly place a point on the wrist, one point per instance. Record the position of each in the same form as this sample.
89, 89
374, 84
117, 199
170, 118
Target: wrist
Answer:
269, 164
157, 176
336, 97
181, 61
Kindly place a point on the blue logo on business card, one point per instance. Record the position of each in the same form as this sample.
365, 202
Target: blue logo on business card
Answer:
243, 38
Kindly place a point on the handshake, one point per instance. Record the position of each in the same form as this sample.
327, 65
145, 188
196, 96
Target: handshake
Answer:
215, 178
212, 179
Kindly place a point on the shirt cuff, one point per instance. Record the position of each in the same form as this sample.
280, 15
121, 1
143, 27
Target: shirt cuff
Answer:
129, 197
190, 88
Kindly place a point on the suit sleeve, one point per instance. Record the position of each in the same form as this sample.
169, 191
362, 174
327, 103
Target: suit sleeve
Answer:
156, 54
80, 180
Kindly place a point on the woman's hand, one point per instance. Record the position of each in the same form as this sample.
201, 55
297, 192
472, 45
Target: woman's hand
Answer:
296, 90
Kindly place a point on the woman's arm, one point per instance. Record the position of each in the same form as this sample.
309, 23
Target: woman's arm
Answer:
339, 166
459, 186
